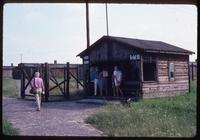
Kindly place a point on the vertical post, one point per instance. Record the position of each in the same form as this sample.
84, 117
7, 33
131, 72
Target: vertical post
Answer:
68, 78
77, 85
65, 74
46, 81
22, 81
192, 71
42, 76
87, 25
189, 74
107, 19
141, 76
85, 79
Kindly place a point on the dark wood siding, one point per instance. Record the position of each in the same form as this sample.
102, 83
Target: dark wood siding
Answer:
99, 54
120, 52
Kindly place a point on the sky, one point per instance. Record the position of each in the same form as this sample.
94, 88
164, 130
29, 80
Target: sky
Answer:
38, 33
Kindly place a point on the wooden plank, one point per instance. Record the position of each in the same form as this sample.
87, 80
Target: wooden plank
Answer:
165, 85
56, 85
162, 62
68, 78
76, 79
180, 74
46, 81
22, 81
77, 85
180, 62
181, 71
174, 82
160, 72
163, 74
165, 89
65, 79
141, 77
29, 81
189, 74
55, 81
180, 79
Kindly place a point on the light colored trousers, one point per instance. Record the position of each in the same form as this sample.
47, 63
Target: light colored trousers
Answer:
96, 82
38, 97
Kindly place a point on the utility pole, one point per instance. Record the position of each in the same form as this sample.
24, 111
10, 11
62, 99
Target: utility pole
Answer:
107, 19
86, 67
87, 24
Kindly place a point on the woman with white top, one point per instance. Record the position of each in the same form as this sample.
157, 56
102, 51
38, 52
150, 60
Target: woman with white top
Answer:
117, 76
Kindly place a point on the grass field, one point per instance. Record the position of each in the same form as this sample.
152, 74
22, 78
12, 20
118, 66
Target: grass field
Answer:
9, 88
8, 129
160, 117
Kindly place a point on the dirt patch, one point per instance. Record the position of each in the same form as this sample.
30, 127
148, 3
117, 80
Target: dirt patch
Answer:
64, 118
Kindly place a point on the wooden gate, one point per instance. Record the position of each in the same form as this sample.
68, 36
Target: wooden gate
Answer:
50, 73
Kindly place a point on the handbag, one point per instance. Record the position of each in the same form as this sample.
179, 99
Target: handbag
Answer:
32, 90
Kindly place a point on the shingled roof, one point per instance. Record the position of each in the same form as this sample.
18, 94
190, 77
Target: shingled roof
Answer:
145, 45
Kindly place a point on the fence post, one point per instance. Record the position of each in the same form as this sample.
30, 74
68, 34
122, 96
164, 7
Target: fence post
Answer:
22, 81
77, 70
68, 78
65, 74
192, 71
46, 81
189, 76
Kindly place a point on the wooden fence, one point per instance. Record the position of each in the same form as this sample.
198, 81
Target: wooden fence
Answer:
49, 73
193, 71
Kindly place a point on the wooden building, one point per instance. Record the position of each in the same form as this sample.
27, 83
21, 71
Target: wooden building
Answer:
150, 68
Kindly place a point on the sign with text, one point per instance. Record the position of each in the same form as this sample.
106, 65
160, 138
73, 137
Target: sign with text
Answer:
86, 60
134, 57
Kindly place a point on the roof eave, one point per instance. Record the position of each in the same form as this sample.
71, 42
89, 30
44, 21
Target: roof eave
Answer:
91, 46
169, 52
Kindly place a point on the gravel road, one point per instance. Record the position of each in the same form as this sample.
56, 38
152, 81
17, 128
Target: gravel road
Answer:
64, 118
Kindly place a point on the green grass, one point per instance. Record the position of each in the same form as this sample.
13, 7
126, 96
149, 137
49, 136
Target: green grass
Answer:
8, 129
9, 88
74, 92
160, 117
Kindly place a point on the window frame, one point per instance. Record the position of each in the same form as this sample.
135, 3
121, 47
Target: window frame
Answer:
150, 59
170, 64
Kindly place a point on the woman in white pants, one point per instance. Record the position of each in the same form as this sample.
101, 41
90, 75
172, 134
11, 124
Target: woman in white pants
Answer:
38, 86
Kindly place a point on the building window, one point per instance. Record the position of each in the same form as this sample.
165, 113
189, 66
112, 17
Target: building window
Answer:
149, 69
171, 71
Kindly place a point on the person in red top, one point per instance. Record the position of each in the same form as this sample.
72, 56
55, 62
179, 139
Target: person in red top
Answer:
103, 78
38, 86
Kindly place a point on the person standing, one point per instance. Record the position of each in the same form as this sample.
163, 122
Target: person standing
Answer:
96, 80
38, 85
113, 85
117, 76
105, 81
103, 84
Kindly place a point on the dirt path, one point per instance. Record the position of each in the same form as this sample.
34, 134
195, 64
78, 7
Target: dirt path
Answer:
55, 118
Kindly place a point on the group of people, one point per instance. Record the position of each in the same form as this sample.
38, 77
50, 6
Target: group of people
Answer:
101, 81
